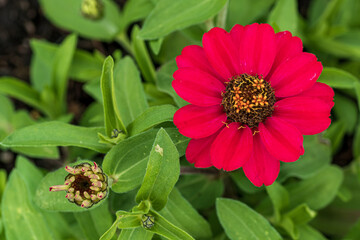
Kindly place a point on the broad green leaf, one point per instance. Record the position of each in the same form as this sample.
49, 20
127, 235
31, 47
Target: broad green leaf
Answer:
18, 212
151, 117
241, 222
246, 11
156, 97
38, 152
279, 198
126, 162
129, 96
93, 88
317, 156
56, 201
162, 171
55, 134
112, 120
20, 90
166, 18
85, 66
308, 233
164, 79
86, 225
337, 78
285, 16
179, 212
200, 190
346, 110
61, 66
67, 14
135, 10
317, 191
243, 183
165, 229
135, 233
142, 56
93, 116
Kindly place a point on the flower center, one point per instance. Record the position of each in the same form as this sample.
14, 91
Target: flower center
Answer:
248, 99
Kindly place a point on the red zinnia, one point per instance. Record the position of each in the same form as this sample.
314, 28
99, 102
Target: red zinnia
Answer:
253, 94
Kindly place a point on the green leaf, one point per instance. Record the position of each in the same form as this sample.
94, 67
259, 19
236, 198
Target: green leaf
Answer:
151, 117
300, 215
126, 162
164, 228
112, 119
129, 96
241, 222
317, 156
129, 221
18, 212
67, 14
166, 18
20, 90
164, 79
336, 133
317, 191
162, 171
357, 92
243, 183
135, 10
346, 110
155, 45
135, 233
356, 142
337, 78
85, 66
308, 233
61, 66
279, 197
285, 16
200, 190
179, 212
354, 232
142, 56
49, 134
56, 201
246, 11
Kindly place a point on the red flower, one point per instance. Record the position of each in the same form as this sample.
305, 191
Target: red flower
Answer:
253, 94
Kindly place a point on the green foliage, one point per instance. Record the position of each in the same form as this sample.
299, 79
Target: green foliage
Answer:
127, 128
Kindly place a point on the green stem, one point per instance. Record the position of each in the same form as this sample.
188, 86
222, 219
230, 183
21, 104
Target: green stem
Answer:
221, 18
124, 41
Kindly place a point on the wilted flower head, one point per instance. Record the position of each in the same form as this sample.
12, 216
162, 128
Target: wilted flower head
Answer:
85, 185
252, 95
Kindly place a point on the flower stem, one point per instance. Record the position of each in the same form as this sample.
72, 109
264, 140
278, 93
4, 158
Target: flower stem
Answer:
209, 24
124, 41
191, 170
221, 18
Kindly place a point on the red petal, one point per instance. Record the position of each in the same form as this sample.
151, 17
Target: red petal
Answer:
198, 151
309, 115
232, 147
320, 91
220, 51
197, 87
257, 49
296, 75
236, 34
195, 57
199, 122
281, 139
287, 47
262, 167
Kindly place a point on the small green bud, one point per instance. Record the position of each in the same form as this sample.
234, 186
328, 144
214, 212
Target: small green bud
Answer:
92, 9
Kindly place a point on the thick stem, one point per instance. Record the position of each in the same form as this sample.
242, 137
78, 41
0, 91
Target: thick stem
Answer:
124, 41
